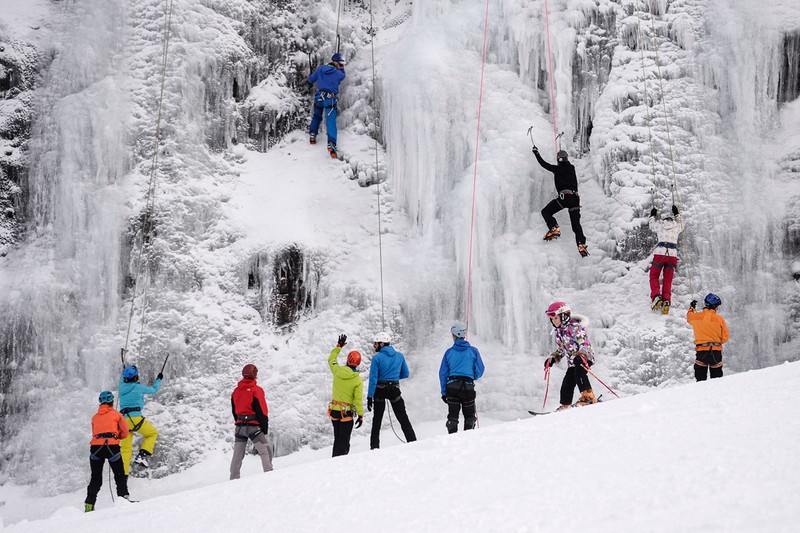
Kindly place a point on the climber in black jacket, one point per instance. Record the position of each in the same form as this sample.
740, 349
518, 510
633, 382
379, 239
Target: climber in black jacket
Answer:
567, 186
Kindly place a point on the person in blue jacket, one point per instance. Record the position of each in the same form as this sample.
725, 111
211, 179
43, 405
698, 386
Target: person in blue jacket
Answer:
131, 403
388, 367
327, 77
461, 366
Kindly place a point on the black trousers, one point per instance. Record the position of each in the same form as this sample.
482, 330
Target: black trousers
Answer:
341, 434
573, 204
576, 375
460, 396
708, 361
391, 393
98, 455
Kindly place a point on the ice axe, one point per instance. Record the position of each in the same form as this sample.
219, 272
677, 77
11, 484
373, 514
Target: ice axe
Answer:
558, 140
531, 135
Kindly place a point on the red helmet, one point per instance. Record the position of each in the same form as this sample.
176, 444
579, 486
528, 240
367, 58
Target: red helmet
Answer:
250, 371
354, 358
557, 308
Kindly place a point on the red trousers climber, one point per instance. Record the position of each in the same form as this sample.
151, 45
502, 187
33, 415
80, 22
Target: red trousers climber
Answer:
667, 264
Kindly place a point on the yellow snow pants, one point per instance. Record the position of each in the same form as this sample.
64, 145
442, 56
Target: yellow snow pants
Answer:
147, 430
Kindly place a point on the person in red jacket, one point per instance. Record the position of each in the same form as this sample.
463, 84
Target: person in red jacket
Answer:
251, 417
108, 428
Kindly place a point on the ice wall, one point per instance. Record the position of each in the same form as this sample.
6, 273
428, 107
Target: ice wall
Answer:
64, 286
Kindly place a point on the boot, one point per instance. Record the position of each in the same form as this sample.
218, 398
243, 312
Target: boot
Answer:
141, 459
665, 307
332, 150
582, 250
563, 407
312, 138
88, 507
554, 233
587, 398
657, 303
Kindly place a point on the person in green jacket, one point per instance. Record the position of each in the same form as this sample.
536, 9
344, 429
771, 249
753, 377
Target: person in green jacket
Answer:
348, 397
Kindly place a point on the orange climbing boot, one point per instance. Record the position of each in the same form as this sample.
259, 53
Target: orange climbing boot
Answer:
583, 250
554, 233
665, 307
587, 398
312, 138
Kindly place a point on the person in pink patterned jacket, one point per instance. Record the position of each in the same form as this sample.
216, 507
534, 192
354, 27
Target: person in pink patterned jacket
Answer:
573, 343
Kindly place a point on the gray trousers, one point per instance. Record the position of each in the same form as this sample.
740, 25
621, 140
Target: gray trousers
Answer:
255, 434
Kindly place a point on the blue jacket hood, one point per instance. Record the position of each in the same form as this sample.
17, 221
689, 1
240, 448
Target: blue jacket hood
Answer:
131, 394
387, 365
461, 359
327, 78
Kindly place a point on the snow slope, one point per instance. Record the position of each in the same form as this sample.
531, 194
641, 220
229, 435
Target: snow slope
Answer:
699, 457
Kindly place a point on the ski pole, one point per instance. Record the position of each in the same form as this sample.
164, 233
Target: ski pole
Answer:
600, 380
547, 387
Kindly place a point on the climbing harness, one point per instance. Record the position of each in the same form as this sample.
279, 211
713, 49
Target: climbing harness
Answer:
345, 411
475, 172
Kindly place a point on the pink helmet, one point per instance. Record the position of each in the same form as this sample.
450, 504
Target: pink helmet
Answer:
557, 308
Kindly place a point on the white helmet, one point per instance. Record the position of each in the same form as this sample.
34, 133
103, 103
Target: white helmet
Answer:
383, 336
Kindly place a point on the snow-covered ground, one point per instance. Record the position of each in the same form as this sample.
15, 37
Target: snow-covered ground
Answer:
714, 456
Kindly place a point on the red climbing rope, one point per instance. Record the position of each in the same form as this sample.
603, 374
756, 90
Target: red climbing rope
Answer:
550, 69
475, 171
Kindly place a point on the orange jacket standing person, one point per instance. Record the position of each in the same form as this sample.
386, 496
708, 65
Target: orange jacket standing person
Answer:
710, 333
108, 428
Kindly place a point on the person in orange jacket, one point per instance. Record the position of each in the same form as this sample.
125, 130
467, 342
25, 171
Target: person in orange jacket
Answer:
251, 418
108, 428
710, 333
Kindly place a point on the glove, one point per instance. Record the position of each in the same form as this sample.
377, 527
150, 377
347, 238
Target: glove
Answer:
674, 210
654, 212
160, 376
369, 404
359, 421
342, 340
693, 304
444, 399
535, 150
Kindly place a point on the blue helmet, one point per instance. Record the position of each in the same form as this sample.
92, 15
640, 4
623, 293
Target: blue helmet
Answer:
337, 58
459, 330
106, 397
712, 301
130, 372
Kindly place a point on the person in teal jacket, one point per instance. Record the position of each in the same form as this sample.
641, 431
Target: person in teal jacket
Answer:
348, 397
461, 366
131, 403
388, 367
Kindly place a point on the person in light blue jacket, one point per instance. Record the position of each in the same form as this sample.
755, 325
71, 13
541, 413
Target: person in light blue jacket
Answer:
327, 77
131, 402
461, 366
388, 367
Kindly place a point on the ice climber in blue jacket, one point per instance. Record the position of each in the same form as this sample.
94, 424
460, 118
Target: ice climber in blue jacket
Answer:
461, 366
131, 403
388, 367
327, 77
